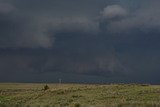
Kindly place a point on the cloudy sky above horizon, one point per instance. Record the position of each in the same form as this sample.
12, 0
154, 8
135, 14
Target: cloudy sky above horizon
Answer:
111, 39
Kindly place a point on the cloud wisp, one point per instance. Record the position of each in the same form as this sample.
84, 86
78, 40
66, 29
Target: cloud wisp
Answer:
143, 19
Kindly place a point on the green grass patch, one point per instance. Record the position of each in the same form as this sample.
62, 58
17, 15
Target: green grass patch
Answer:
79, 95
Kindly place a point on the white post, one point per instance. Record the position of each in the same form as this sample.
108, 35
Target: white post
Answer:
60, 80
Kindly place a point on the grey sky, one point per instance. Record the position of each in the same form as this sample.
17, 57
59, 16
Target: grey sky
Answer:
111, 39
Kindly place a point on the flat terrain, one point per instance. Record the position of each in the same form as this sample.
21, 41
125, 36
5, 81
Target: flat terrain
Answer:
77, 95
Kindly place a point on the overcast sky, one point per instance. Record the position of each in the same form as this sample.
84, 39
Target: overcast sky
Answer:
80, 41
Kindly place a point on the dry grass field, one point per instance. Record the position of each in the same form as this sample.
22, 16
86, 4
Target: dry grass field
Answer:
79, 95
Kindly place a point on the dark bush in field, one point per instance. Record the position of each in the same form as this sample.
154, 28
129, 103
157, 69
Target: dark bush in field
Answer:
77, 105
46, 87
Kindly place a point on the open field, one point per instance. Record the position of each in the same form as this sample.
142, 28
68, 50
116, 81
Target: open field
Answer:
77, 95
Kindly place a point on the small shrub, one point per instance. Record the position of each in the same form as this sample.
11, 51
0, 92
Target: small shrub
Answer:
75, 96
46, 106
3, 105
27, 106
77, 105
145, 85
46, 87
60, 92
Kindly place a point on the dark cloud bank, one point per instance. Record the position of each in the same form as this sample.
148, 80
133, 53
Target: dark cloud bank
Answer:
88, 41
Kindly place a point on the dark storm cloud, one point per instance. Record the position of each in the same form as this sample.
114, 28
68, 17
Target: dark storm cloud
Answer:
109, 38
30, 23
18, 30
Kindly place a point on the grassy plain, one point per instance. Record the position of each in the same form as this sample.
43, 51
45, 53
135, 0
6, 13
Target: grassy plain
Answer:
79, 95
